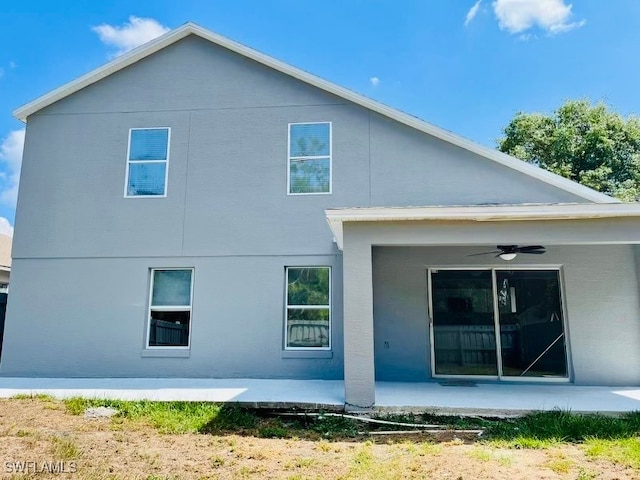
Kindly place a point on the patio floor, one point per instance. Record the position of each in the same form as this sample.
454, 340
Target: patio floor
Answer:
480, 398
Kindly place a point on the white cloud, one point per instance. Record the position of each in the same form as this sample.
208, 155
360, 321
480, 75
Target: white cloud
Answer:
5, 227
11, 158
473, 11
553, 16
12, 65
374, 81
131, 34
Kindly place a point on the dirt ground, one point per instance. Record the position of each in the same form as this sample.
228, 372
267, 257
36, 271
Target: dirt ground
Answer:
54, 444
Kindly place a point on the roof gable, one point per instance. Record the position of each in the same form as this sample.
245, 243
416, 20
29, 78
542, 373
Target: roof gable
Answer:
192, 29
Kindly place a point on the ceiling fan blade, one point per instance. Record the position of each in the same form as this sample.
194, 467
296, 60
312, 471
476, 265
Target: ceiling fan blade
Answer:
534, 252
528, 248
484, 253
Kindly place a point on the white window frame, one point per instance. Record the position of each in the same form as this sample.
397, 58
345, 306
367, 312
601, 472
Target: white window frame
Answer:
129, 161
289, 158
287, 307
169, 308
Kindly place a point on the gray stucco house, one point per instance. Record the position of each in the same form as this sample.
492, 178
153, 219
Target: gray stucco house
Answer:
198, 209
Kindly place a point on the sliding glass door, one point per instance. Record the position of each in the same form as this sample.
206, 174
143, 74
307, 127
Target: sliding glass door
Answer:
497, 323
463, 322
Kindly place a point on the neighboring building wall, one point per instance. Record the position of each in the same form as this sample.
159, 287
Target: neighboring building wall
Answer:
600, 295
82, 254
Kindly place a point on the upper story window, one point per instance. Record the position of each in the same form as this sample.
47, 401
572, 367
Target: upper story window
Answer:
309, 169
147, 162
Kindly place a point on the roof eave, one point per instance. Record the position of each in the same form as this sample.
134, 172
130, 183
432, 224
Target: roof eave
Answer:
99, 73
477, 213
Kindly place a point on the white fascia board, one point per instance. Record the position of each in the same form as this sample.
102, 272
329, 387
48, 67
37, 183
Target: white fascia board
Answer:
478, 213
98, 74
190, 28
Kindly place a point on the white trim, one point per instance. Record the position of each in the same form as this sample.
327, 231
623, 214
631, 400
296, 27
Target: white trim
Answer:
192, 29
165, 161
311, 157
287, 348
169, 308
497, 330
496, 318
478, 213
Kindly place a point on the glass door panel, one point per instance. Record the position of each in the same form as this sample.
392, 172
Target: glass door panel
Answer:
464, 338
531, 324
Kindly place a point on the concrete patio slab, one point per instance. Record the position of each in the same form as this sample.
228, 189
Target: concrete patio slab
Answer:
504, 399
325, 394
501, 399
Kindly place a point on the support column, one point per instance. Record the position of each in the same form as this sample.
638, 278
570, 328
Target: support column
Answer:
359, 374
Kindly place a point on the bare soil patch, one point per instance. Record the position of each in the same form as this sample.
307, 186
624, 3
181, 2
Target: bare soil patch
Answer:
42, 434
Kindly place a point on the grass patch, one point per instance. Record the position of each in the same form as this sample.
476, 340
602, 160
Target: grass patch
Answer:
43, 397
481, 455
64, 448
560, 465
624, 451
540, 430
173, 417
543, 429
273, 429
527, 443
231, 418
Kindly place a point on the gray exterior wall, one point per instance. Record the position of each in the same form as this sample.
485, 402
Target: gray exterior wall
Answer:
88, 318
82, 252
600, 294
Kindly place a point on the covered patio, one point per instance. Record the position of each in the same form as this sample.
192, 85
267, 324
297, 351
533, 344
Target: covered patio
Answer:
390, 256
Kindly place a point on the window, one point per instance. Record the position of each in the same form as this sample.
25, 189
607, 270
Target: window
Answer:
309, 169
170, 307
308, 315
147, 161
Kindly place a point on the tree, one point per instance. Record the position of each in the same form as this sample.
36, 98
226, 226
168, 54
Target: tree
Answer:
587, 143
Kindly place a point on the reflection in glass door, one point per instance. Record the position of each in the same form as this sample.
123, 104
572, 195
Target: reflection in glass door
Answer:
463, 322
531, 323
525, 305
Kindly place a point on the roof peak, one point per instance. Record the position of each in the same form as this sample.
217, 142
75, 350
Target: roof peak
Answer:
190, 28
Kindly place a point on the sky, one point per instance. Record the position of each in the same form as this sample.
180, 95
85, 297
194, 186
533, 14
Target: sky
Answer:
464, 65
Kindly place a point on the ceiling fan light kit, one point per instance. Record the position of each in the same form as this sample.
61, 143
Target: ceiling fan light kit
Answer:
509, 252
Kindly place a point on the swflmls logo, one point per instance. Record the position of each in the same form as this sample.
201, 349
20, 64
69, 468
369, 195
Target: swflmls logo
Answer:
40, 467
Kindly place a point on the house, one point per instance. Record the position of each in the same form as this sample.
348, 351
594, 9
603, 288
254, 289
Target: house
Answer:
5, 272
5, 262
195, 208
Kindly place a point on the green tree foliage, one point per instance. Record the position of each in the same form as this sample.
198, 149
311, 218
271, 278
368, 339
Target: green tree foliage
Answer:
308, 286
587, 143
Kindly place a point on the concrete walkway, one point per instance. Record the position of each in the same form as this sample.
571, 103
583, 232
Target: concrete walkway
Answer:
485, 398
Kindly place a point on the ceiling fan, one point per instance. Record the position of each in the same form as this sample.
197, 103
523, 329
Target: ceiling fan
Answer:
509, 252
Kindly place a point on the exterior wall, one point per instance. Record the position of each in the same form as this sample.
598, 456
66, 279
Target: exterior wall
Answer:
92, 321
227, 166
600, 294
82, 252
409, 168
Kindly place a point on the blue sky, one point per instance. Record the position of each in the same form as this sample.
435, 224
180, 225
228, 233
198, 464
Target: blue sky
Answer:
464, 65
